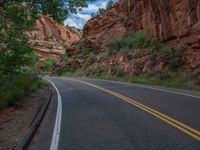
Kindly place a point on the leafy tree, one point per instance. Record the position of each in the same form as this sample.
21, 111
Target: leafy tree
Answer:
57, 9
109, 4
101, 11
19, 16
15, 52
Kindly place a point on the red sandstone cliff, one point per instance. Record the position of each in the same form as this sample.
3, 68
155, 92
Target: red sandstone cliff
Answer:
51, 39
175, 22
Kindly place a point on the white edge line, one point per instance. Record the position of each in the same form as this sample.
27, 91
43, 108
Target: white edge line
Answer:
148, 87
164, 90
57, 126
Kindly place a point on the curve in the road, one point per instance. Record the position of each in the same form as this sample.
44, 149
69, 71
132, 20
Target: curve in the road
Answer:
57, 126
177, 124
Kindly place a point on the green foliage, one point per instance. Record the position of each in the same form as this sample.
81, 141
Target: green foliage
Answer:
115, 46
118, 71
134, 40
109, 4
57, 9
173, 55
64, 57
16, 18
101, 11
102, 70
60, 71
155, 43
48, 63
15, 51
47, 38
74, 66
91, 58
16, 56
13, 89
138, 40
85, 51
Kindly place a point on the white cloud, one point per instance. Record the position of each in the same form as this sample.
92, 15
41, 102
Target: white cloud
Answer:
78, 20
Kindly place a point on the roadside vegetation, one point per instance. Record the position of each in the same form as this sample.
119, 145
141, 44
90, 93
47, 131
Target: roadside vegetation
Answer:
19, 74
133, 46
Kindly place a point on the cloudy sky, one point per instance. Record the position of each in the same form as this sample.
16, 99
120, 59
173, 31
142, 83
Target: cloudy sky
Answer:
78, 20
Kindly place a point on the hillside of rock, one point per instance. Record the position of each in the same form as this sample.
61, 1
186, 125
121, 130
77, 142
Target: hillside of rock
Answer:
51, 39
173, 22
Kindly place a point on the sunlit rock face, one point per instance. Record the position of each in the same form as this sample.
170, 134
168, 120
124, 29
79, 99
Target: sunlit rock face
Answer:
51, 39
175, 22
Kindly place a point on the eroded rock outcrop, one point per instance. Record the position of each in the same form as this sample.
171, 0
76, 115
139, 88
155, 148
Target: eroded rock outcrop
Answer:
51, 39
175, 22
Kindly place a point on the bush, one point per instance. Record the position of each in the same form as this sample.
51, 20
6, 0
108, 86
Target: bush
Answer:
133, 40
12, 90
91, 58
138, 40
48, 63
116, 45
85, 51
118, 72
155, 43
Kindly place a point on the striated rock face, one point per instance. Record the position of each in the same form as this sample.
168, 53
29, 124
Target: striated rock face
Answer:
167, 20
51, 39
175, 22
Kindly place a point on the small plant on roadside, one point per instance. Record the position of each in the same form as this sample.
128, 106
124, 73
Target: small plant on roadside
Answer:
118, 71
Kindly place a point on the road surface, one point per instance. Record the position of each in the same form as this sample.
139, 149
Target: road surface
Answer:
92, 114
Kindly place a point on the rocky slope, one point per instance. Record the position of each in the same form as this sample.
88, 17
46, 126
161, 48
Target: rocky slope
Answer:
51, 39
174, 22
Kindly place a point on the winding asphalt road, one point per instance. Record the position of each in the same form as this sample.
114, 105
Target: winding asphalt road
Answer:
105, 115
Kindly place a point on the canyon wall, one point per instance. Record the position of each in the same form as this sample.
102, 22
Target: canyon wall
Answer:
51, 39
167, 20
174, 22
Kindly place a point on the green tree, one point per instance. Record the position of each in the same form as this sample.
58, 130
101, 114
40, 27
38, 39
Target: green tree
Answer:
57, 9
19, 16
109, 4
101, 11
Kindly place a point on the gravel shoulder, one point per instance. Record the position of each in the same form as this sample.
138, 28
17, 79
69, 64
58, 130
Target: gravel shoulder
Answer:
16, 120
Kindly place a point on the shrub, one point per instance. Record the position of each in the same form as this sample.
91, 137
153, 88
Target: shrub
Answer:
48, 63
74, 66
47, 38
118, 71
64, 57
91, 58
101, 70
60, 71
173, 55
139, 40
13, 89
133, 40
85, 51
116, 45
155, 43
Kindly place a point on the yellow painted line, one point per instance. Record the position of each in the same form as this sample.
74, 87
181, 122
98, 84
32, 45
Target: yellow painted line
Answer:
177, 124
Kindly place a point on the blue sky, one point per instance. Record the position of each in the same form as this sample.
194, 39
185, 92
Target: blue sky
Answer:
78, 20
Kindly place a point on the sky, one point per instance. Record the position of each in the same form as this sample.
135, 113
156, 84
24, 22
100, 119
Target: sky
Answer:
78, 20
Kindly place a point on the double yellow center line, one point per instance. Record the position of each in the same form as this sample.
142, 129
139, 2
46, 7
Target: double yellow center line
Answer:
177, 124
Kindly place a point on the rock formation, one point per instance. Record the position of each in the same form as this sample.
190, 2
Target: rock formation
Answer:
51, 39
175, 22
